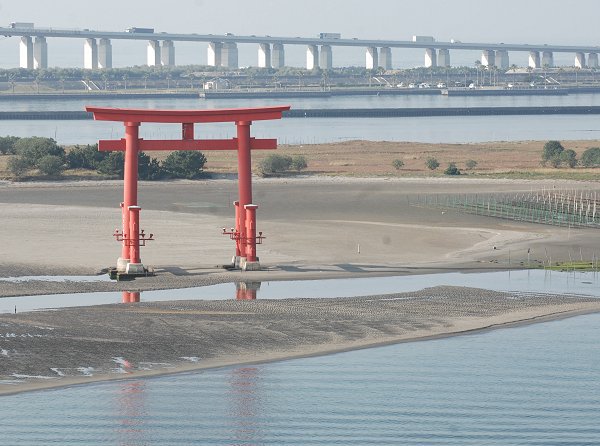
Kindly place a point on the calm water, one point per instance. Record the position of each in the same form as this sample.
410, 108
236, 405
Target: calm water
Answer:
524, 281
533, 385
319, 130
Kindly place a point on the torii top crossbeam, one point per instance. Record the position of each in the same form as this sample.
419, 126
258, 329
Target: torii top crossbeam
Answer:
182, 116
244, 233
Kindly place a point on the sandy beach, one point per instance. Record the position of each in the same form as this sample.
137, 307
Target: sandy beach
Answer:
316, 227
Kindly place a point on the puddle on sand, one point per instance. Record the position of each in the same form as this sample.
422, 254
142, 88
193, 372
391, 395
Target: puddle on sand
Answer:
525, 281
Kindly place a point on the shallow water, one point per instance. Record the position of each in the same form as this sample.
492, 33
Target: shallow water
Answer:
522, 281
532, 385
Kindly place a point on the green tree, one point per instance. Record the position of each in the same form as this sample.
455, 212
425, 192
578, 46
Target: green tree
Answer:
85, 157
432, 163
590, 157
398, 164
51, 165
148, 168
568, 157
33, 149
551, 152
7, 144
452, 169
471, 164
299, 163
184, 164
18, 166
113, 164
275, 164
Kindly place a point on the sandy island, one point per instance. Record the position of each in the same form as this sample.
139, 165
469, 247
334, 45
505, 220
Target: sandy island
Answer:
315, 228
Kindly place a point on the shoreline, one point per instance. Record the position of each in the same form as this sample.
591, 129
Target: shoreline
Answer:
47, 385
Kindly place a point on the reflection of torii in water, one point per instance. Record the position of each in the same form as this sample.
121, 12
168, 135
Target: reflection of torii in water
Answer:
244, 233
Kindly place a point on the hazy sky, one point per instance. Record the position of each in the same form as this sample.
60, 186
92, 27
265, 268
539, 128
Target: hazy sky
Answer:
535, 21
518, 21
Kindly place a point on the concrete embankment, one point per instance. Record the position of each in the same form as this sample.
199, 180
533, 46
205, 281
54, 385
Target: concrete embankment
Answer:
352, 112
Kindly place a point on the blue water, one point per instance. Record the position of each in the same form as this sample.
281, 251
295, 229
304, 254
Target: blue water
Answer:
447, 129
532, 385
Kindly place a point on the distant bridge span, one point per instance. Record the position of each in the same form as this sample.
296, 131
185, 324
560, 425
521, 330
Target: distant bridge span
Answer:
223, 51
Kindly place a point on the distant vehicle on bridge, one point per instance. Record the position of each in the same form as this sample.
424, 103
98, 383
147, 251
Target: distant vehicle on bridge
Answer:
330, 36
21, 25
423, 39
135, 29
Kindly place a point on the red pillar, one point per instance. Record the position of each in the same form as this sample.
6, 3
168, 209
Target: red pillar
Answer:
251, 232
129, 182
244, 177
187, 130
238, 251
134, 237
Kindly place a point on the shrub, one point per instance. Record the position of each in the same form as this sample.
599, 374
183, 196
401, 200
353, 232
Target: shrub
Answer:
184, 164
471, 164
35, 148
148, 168
590, 157
568, 157
432, 163
87, 157
398, 164
18, 166
113, 164
452, 169
7, 144
51, 165
551, 152
275, 164
299, 163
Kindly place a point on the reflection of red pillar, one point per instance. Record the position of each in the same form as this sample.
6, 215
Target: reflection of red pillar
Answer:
131, 296
244, 177
251, 232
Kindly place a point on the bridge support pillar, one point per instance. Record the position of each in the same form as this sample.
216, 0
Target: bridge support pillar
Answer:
443, 58
385, 58
153, 53
488, 58
104, 53
26, 53
534, 59
229, 55
167, 53
547, 59
278, 56
312, 57
579, 60
593, 60
213, 54
372, 58
430, 58
40, 53
264, 55
502, 60
325, 58
90, 54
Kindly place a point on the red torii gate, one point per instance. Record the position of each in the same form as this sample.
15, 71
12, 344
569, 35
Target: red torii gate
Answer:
244, 232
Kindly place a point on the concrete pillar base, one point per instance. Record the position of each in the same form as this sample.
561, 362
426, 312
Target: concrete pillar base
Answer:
135, 268
249, 266
235, 261
122, 264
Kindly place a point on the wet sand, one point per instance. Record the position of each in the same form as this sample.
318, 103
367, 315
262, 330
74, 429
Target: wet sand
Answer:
315, 228
82, 345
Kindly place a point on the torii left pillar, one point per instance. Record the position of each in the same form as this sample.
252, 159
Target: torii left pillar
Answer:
130, 261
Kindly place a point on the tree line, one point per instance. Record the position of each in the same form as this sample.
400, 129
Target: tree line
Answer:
37, 155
